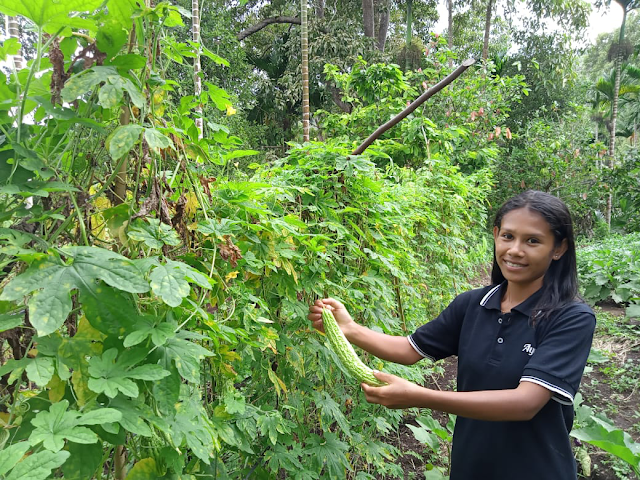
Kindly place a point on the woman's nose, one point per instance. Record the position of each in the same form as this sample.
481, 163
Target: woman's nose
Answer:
515, 248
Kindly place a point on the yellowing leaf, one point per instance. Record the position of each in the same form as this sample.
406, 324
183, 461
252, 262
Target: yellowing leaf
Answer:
80, 384
145, 469
231, 275
56, 388
279, 384
191, 205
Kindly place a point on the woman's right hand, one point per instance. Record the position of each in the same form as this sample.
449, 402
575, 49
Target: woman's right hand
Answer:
339, 311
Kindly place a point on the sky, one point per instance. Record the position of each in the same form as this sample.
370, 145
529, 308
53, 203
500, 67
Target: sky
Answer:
600, 22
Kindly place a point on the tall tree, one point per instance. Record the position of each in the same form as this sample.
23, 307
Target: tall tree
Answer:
197, 79
487, 30
619, 52
305, 70
368, 18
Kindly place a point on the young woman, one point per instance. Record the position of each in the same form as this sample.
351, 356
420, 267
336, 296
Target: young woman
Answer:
522, 345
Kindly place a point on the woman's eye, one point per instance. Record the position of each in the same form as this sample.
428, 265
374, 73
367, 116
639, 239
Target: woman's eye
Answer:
507, 236
533, 240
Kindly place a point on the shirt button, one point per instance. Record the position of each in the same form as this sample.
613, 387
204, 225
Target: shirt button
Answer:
500, 320
500, 340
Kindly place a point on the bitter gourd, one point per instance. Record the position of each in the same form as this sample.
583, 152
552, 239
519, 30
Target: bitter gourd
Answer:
347, 355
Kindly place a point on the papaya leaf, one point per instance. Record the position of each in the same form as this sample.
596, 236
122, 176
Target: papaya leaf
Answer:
53, 281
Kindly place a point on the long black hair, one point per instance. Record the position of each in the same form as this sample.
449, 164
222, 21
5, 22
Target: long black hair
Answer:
560, 284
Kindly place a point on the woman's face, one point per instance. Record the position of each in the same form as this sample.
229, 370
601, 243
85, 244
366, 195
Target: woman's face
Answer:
525, 247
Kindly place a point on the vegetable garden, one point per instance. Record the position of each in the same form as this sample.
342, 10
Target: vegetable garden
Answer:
158, 259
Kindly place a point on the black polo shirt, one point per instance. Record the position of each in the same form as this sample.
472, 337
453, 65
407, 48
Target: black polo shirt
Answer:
498, 351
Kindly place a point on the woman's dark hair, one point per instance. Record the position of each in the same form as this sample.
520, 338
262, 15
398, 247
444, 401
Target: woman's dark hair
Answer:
560, 284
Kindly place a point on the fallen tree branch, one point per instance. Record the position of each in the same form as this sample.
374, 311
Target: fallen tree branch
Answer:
415, 104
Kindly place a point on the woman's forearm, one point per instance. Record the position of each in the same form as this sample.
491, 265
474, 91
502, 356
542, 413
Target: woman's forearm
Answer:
387, 347
518, 404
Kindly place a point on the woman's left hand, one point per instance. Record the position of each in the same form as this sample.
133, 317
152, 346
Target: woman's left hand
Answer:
399, 393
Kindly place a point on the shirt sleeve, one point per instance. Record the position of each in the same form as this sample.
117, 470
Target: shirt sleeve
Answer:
561, 353
439, 338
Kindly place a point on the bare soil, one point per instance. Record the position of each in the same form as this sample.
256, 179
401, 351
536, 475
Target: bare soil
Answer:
620, 401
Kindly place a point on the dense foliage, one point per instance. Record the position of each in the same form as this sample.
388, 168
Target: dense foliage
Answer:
155, 281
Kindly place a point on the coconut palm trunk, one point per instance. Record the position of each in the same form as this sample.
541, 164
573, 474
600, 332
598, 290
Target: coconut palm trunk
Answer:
197, 79
304, 23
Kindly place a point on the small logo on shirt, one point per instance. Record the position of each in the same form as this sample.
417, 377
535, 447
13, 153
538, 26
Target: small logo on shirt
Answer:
528, 348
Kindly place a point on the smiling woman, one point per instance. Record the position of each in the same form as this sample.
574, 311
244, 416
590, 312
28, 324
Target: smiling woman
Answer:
522, 345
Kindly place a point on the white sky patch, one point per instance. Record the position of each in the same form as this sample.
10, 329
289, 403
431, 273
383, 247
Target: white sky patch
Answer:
604, 21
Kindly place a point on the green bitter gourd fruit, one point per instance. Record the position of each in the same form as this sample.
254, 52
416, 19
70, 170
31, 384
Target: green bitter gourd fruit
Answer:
347, 355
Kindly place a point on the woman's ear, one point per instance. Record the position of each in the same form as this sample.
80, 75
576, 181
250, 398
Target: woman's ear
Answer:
495, 233
561, 249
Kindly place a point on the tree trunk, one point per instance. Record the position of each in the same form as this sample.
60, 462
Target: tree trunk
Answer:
305, 70
320, 9
487, 31
383, 27
13, 31
197, 79
367, 18
450, 25
614, 112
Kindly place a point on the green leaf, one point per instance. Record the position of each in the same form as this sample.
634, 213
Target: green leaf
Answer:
100, 416
80, 84
123, 139
108, 310
156, 139
239, 154
134, 415
186, 356
154, 234
40, 370
169, 284
121, 11
611, 439
109, 376
633, 310
47, 12
129, 61
58, 424
7, 322
54, 281
149, 326
137, 97
38, 466
11, 46
145, 469
11, 455
111, 37
109, 95
84, 461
